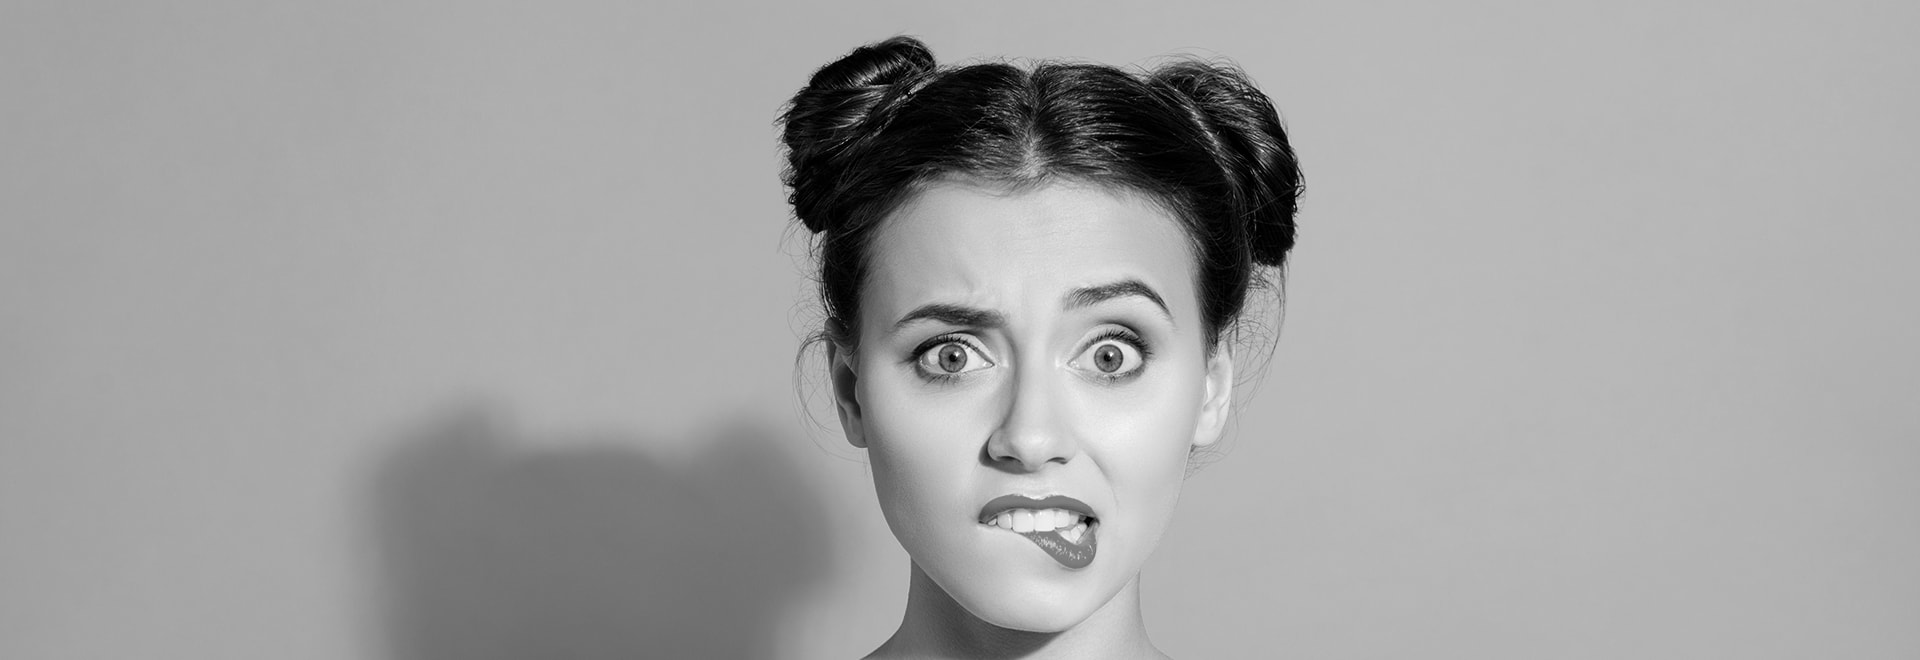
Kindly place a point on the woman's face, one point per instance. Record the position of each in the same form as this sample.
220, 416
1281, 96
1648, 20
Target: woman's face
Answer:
1031, 361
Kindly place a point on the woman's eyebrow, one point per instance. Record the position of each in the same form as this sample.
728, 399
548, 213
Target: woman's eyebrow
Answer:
959, 315
1089, 296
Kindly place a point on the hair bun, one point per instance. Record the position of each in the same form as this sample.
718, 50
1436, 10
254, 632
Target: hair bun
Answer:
1251, 147
876, 64
825, 119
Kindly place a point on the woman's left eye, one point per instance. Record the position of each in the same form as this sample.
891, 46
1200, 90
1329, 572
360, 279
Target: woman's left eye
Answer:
1110, 358
952, 357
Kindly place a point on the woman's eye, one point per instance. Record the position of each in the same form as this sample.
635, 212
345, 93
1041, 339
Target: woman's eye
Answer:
1110, 357
952, 357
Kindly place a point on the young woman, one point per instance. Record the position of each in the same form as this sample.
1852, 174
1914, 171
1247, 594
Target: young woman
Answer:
1030, 278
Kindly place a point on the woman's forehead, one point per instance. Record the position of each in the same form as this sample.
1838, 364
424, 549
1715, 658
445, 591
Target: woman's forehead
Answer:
970, 244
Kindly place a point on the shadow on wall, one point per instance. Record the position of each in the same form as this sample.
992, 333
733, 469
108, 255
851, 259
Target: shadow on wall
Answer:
496, 546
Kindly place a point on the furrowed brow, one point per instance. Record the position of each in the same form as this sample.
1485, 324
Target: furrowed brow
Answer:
1094, 295
957, 315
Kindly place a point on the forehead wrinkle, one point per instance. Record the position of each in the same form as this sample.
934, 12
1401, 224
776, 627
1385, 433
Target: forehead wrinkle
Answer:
942, 267
938, 247
955, 315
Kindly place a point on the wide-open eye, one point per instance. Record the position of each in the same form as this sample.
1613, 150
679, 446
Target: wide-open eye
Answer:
1111, 356
952, 357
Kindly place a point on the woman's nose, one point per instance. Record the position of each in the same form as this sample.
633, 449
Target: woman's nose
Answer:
1033, 432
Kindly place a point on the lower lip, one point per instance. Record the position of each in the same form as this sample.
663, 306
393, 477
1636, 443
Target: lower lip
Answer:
1068, 553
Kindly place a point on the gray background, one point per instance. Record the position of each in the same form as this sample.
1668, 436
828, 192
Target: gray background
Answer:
467, 330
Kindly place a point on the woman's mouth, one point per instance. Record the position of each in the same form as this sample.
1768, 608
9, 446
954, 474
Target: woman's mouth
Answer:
1063, 527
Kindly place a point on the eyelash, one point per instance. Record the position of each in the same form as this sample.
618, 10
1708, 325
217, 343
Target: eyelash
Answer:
930, 344
1131, 339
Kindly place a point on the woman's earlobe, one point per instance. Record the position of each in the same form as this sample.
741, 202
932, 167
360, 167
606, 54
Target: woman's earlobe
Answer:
843, 373
1217, 401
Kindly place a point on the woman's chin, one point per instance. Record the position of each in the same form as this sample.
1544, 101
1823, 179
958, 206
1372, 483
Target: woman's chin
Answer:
1044, 608
1025, 617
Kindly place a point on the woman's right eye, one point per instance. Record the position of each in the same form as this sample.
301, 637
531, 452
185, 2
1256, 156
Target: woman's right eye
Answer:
949, 358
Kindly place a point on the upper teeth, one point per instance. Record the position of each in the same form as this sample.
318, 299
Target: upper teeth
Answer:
1043, 520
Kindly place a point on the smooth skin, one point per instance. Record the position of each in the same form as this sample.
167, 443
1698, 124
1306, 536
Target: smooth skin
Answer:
1033, 342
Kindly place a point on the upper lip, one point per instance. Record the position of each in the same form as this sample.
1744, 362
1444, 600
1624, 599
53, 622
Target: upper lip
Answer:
1009, 502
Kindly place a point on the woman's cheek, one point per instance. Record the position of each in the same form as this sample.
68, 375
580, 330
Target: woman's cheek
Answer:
920, 442
1147, 440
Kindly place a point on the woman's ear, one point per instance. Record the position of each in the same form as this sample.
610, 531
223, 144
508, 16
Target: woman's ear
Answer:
1218, 398
843, 372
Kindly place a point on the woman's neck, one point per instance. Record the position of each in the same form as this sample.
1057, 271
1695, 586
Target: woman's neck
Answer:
936, 626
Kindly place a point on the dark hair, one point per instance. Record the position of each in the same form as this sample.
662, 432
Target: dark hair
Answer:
1196, 137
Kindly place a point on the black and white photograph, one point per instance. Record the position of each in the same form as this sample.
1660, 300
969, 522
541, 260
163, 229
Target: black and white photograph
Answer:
594, 330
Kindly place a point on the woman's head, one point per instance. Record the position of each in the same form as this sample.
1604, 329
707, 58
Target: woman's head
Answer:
1026, 276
